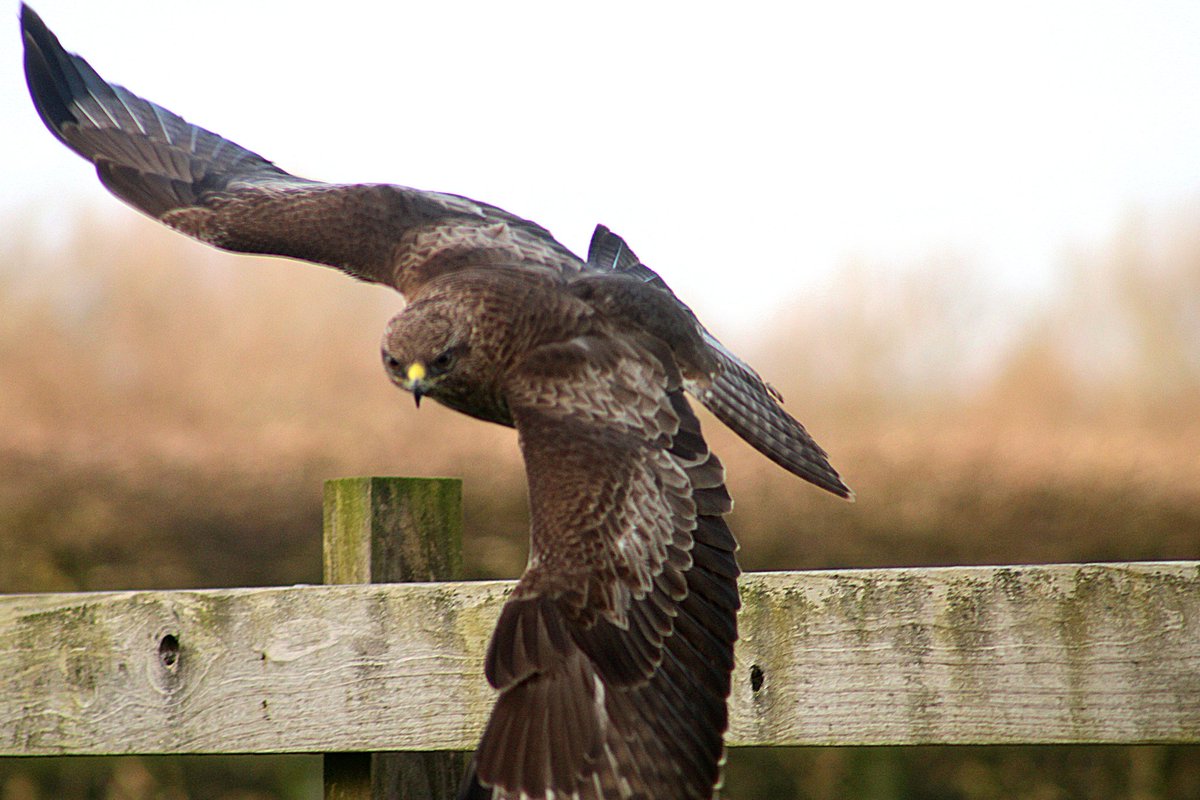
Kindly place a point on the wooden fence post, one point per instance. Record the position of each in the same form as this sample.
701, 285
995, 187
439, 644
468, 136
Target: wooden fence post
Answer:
393, 530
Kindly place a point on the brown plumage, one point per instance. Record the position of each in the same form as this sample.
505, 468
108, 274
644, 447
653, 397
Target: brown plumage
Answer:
613, 655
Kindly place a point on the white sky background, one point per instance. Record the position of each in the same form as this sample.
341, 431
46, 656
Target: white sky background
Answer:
732, 146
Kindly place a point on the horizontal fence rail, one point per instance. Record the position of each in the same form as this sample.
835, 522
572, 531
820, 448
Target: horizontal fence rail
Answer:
983, 655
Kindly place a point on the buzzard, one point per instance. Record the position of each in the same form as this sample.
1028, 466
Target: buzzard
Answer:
614, 653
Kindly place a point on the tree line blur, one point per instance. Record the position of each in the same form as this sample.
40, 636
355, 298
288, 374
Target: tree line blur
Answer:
167, 415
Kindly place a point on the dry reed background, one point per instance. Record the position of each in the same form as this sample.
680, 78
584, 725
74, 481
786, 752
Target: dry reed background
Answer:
167, 414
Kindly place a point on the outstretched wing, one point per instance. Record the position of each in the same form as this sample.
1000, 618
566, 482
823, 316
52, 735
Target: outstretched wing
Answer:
218, 192
737, 395
221, 193
613, 655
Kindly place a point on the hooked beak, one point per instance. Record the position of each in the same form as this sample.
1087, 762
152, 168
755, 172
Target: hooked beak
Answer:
414, 380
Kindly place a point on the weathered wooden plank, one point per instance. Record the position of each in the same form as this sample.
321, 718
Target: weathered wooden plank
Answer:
1037, 654
988, 655
392, 530
302, 669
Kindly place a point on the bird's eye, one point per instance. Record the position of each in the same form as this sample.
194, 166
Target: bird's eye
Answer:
443, 361
390, 361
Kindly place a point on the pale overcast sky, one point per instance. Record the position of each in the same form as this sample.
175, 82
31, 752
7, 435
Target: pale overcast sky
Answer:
772, 140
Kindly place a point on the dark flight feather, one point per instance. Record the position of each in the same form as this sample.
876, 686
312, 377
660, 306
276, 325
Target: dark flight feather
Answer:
738, 396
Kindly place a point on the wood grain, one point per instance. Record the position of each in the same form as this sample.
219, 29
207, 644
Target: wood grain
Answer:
1034, 654
382, 530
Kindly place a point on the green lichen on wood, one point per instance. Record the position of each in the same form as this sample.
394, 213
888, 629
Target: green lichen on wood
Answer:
1037, 654
393, 529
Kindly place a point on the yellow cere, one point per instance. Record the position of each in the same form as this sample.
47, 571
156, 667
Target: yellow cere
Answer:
416, 371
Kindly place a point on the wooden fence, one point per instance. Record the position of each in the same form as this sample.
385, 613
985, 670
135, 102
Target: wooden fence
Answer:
389, 656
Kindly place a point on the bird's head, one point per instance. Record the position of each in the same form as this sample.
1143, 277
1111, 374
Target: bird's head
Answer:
452, 346
423, 351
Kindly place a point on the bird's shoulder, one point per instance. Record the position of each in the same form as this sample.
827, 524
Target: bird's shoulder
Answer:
628, 305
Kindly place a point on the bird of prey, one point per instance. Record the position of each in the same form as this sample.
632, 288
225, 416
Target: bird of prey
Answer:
613, 655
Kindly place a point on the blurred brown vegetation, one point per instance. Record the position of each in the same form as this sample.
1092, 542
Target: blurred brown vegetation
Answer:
167, 415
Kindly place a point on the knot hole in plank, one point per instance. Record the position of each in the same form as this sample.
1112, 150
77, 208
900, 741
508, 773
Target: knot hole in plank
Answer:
756, 677
168, 651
